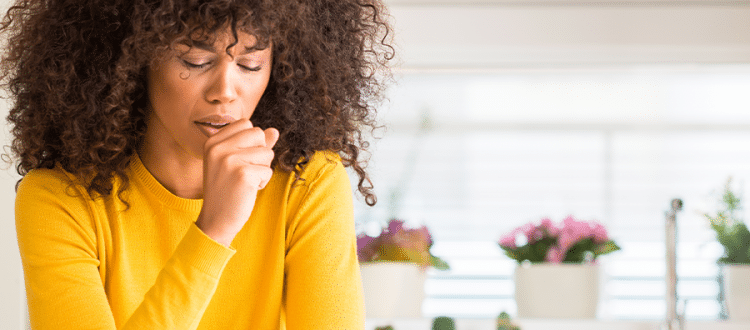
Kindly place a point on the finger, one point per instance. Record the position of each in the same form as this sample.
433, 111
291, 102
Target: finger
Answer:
228, 131
256, 176
272, 136
252, 156
244, 139
265, 177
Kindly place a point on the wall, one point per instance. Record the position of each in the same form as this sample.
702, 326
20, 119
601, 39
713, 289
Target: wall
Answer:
476, 34
12, 301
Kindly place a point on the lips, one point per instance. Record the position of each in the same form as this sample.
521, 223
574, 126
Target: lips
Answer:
210, 125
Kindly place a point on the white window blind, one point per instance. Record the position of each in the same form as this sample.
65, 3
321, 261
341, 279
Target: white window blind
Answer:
473, 155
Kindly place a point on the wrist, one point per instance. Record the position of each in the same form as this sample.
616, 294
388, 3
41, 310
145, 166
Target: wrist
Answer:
215, 234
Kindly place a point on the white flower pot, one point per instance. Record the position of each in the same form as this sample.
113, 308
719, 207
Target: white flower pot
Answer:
393, 289
737, 291
557, 290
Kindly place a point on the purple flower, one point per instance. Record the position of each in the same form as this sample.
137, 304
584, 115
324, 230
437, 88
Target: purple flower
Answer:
366, 250
395, 226
397, 243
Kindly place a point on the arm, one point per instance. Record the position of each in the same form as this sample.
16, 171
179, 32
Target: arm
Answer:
60, 253
323, 285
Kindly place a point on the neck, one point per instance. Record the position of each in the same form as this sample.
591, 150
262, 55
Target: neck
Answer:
176, 170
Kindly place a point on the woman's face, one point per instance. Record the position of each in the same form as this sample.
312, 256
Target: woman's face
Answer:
193, 92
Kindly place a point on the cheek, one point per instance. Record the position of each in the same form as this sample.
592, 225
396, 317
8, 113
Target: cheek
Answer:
166, 91
254, 91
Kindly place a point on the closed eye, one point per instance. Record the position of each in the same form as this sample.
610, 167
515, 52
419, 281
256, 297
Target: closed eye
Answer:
195, 65
252, 69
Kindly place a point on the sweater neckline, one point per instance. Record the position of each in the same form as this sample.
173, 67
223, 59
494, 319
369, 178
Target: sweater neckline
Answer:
166, 197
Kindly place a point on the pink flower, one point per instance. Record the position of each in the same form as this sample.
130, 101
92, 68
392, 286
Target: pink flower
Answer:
424, 233
527, 229
552, 242
572, 232
554, 255
600, 233
549, 226
565, 241
509, 240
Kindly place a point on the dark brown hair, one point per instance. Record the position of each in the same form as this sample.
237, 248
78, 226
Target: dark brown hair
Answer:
76, 73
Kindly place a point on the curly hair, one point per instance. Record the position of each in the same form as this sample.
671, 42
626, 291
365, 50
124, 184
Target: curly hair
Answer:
76, 73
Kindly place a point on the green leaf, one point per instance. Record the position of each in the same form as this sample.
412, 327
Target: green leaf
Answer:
440, 263
607, 247
731, 232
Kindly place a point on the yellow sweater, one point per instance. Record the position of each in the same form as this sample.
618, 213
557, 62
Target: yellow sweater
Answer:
91, 264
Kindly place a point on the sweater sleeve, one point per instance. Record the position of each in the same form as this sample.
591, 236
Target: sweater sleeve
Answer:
323, 285
57, 238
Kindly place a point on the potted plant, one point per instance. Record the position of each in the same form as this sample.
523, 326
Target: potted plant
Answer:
732, 233
443, 323
393, 266
557, 275
505, 323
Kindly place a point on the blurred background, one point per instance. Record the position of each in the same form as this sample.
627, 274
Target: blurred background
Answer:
507, 111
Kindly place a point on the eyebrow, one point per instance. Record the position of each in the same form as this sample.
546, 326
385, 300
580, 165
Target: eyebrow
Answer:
210, 48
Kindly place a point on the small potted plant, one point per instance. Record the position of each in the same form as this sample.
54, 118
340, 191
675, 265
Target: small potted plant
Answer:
443, 323
393, 268
733, 235
557, 274
505, 323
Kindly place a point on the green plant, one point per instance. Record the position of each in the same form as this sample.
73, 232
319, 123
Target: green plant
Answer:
398, 243
443, 323
387, 327
571, 241
731, 232
504, 322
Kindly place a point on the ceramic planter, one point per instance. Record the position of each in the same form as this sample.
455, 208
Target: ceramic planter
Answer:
737, 291
393, 289
549, 290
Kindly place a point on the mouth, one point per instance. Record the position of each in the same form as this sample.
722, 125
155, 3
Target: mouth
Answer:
211, 125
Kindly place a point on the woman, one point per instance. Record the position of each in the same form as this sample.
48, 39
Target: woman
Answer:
183, 161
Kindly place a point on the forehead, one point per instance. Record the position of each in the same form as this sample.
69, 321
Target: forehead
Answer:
225, 37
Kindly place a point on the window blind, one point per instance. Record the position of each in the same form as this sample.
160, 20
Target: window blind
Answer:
474, 155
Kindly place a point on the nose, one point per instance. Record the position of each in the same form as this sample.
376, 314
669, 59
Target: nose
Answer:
223, 85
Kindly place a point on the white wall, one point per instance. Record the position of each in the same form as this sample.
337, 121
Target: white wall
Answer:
12, 302
476, 34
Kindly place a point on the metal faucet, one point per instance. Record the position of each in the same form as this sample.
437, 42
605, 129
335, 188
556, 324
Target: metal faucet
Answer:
674, 320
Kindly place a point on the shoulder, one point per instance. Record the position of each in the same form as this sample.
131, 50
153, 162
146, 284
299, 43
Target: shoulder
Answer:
44, 193
322, 177
322, 164
49, 181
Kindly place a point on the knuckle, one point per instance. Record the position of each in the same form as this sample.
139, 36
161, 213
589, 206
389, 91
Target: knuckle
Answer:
258, 133
215, 149
228, 159
244, 176
248, 176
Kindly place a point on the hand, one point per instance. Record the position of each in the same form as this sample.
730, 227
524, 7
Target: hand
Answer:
236, 164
